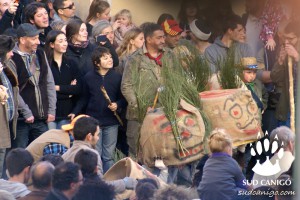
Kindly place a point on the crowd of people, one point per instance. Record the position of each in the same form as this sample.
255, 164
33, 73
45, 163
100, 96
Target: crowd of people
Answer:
69, 100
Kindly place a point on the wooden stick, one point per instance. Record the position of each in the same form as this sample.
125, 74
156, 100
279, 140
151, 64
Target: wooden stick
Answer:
291, 90
155, 100
103, 90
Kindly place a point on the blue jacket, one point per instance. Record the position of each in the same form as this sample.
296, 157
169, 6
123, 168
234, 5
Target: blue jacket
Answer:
93, 102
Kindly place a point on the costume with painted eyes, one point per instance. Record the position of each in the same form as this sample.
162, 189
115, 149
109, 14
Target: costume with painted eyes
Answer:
233, 110
157, 140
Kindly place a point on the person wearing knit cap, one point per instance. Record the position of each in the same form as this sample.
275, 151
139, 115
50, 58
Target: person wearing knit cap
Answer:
200, 34
8, 97
172, 32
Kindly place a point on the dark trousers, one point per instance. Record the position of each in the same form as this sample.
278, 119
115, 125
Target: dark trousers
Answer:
26, 132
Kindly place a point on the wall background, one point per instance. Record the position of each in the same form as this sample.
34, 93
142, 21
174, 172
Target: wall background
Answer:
145, 10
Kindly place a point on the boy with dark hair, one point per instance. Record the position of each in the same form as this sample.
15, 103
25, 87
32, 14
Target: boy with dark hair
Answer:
18, 163
88, 143
217, 52
66, 180
98, 190
96, 102
87, 161
37, 15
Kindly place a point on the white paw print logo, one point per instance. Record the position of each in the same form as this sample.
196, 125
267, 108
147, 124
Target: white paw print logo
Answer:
267, 168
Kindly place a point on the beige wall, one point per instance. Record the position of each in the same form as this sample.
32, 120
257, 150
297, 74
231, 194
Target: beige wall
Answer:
144, 10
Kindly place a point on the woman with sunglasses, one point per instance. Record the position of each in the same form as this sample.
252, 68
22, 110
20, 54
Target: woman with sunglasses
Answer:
66, 77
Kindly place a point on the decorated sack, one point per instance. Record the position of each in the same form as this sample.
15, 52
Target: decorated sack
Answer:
233, 110
128, 168
157, 139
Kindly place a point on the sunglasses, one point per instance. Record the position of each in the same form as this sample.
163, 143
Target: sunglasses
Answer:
71, 6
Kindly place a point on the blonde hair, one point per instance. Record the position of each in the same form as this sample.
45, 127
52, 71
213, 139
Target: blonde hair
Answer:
126, 13
124, 48
219, 140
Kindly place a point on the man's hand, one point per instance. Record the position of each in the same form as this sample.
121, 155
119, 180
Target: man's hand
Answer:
74, 82
282, 56
113, 107
72, 116
51, 118
292, 52
29, 120
13, 8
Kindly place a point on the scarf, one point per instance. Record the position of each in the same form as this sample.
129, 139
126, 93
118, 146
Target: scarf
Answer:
157, 60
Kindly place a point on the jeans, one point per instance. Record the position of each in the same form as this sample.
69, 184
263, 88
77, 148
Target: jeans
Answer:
57, 124
26, 132
107, 144
2, 157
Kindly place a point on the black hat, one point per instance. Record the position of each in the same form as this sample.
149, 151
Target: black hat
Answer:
6, 43
27, 30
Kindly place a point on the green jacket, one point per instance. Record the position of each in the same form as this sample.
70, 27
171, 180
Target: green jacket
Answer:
280, 78
148, 72
261, 92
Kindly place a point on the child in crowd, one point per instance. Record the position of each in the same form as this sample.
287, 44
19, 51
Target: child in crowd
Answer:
97, 105
258, 91
125, 19
222, 178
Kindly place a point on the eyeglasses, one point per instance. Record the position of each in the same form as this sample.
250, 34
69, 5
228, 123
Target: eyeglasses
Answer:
71, 6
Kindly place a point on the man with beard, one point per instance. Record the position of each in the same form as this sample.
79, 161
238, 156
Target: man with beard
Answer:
148, 62
86, 134
37, 15
279, 73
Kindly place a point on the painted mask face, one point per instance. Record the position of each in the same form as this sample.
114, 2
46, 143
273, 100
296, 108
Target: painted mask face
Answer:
157, 139
233, 110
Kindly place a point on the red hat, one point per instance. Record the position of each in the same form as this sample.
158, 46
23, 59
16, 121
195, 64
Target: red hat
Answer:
171, 27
